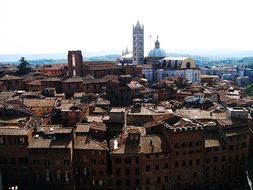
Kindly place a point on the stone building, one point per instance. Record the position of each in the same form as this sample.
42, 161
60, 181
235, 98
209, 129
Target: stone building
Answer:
138, 44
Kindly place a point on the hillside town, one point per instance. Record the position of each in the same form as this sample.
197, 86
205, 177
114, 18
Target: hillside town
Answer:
142, 123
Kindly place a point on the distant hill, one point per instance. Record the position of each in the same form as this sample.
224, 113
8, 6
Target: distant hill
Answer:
203, 58
37, 60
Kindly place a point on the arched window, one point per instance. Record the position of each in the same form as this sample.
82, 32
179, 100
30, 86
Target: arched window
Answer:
188, 65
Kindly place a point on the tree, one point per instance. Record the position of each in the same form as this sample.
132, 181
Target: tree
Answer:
249, 90
23, 67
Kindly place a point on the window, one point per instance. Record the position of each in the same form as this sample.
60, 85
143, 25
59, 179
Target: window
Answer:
36, 162
166, 179
244, 144
223, 158
46, 162
158, 179
2, 140
178, 177
101, 182
23, 161
165, 166
188, 65
3, 160
13, 160
58, 175
137, 160
147, 168
66, 162
190, 162
157, 167
176, 164
208, 160
127, 182
118, 182
21, 140
197, 162
147, 181
67, 176
183, 163
215, 159
47, 176
118, 172
194, 174
117, 160
100, 173
128, 160
231, 147
127, 171
137, 171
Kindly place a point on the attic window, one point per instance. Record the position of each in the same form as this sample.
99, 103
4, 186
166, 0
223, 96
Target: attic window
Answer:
188, 65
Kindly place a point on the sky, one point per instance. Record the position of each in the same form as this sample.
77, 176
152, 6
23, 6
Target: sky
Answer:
56, 26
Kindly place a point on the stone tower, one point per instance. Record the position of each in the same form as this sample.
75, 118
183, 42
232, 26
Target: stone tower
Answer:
75, 63
138, 44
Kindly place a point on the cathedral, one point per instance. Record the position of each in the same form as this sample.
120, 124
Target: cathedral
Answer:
157, 65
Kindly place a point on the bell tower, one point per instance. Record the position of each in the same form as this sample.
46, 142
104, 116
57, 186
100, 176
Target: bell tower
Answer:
138, 44
75, 63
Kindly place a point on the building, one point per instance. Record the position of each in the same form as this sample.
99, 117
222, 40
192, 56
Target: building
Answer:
156, 54
138, 44
12, 82
14, 156
40, 107
51, 158
75, 63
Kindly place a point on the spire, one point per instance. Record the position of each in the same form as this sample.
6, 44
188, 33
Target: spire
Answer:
126, 52
138, 24
157, 43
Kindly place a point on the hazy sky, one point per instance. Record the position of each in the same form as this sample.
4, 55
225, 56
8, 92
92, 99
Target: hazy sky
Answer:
52, 26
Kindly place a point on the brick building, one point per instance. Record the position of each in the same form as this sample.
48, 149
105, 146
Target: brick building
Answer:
12, 82
14, 156
51, 158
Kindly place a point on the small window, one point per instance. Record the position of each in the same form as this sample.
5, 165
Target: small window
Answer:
2, 140
137, 171
147, 168
66, 162
188, 65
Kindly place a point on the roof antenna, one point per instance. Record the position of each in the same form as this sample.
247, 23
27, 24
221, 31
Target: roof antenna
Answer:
150, 41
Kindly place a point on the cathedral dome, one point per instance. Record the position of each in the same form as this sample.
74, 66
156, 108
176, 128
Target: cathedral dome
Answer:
157, 52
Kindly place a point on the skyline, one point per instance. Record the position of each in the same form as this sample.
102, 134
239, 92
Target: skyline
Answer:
58, 26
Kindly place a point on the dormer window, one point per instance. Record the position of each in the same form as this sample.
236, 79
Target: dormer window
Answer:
188, 65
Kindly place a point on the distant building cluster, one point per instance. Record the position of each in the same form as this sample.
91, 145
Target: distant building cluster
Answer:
149, 123
241, 76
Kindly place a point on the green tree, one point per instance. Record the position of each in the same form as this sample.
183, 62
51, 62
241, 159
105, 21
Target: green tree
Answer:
23, 67
249, 90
